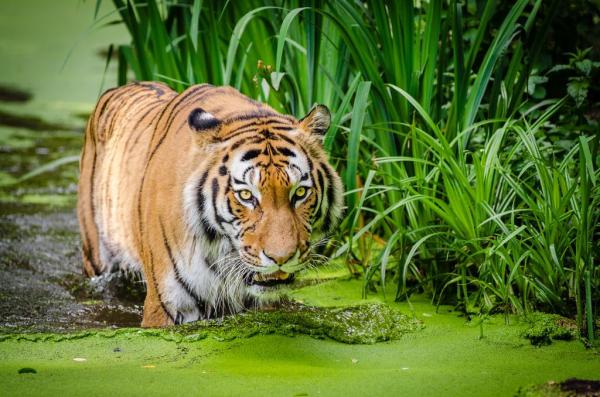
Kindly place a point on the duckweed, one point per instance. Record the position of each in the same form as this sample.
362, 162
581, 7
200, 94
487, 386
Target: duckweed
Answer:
544, 327
363, 324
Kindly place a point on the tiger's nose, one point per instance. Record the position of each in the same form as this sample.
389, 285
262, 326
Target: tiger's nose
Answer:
280, 258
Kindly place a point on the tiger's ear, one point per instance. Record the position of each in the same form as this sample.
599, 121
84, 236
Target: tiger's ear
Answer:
317, 121
201, 121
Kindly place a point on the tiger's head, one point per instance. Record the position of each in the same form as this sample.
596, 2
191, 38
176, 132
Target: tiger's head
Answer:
264, 193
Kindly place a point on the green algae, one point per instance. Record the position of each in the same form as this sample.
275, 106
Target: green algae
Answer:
24, 151
363, 324
32, 123
445, 358
36, 45
544, 328
48, 200
254, 354
7, 179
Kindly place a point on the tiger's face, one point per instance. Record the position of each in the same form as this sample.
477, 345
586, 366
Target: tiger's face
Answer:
273, 196
268, 193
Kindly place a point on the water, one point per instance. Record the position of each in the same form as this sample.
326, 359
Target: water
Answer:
44, 103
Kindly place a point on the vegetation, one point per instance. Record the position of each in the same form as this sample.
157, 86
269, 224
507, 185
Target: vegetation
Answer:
467, 141
543, 328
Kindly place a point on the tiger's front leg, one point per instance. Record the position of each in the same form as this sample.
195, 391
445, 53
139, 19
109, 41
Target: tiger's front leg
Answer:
155, 314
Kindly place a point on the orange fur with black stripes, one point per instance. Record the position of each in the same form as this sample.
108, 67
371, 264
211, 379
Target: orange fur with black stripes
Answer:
215, 198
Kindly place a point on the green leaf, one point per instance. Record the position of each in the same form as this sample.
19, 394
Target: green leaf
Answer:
51, 166
196, 8
585, 66
558, 68
578, 90
283, 33
587, 155
534, 81
356, 125
339, 112
97, 8
234, 41
503, 38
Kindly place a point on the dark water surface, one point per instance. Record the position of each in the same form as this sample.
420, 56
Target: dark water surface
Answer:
41, 284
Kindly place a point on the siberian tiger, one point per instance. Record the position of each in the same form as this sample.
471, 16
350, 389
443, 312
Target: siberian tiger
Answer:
215, 198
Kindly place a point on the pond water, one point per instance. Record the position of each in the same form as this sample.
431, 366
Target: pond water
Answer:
61, 332
50, 77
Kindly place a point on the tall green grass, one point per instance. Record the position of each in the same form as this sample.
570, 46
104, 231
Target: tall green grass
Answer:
452, 189
510, 227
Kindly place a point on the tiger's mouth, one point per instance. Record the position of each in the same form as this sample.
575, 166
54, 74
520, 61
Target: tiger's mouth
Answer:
270, 280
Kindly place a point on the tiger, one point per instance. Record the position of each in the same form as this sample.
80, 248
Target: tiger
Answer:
215, 199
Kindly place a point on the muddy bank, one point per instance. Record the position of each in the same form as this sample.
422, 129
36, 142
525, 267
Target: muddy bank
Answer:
41, 284
572, 387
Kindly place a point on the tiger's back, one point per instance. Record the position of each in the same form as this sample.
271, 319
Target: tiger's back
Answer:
117, 141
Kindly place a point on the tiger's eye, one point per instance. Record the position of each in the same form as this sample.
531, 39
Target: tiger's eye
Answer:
245, 194
300, 192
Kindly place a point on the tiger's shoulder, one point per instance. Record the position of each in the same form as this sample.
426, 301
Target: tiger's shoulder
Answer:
119, 106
